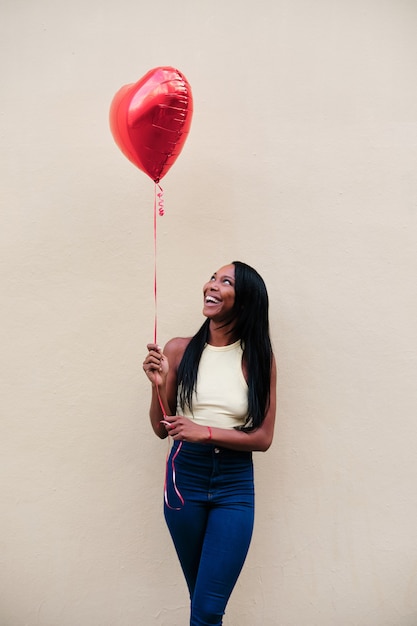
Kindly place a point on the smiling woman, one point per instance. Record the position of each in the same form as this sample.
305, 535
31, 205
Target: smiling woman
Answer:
219, 293
220, 390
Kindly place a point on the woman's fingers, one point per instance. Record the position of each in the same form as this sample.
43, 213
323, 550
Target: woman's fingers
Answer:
153, 360
169, 424
154, 347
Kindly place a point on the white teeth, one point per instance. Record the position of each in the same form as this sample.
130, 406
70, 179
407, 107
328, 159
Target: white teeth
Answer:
211, 299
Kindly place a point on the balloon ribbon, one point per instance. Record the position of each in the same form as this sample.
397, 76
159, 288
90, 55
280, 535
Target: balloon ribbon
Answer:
158, 209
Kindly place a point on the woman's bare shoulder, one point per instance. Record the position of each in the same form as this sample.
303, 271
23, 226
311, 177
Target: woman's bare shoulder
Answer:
175, 347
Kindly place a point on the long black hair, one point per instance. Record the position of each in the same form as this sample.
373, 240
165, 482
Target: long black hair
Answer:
251, 317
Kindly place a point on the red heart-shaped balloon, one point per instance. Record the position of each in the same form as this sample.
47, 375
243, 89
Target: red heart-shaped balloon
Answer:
150, 120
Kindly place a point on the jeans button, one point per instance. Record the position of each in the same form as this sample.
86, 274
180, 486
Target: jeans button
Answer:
216, 450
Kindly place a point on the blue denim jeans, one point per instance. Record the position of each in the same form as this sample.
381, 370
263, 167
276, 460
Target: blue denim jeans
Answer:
212, 528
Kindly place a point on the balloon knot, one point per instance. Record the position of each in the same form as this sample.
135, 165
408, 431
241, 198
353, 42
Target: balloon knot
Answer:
160, 195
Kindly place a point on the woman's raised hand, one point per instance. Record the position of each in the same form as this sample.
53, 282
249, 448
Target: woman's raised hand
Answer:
156, 365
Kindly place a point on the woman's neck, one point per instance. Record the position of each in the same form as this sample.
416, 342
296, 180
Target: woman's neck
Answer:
221, 335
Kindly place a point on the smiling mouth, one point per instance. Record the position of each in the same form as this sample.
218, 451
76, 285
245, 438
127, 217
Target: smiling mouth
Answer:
211, 300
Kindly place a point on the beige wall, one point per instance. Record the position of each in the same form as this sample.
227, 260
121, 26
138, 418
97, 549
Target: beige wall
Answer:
301, 161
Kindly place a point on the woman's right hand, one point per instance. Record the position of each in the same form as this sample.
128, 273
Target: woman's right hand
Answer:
156, 365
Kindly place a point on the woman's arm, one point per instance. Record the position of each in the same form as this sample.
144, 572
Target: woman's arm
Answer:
161, 368
182, 429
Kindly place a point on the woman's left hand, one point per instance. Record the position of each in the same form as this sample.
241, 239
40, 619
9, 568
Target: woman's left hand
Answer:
181, 428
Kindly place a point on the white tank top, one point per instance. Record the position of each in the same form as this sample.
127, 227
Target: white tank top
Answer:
221, 398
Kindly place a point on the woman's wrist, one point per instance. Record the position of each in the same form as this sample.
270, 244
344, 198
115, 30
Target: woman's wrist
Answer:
160, 382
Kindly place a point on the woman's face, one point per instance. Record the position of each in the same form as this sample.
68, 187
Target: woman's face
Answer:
219, 294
